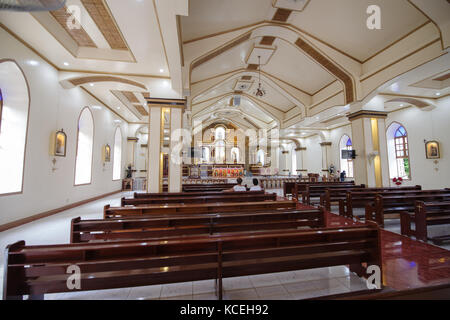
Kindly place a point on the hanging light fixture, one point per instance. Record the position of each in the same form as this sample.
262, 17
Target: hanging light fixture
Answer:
260, 92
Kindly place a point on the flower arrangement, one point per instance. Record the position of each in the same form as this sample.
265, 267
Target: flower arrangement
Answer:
398, 181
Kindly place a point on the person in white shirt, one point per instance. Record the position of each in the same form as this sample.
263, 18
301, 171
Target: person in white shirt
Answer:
256, 186
239, 187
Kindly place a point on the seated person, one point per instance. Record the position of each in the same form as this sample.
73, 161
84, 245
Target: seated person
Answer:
238, 188
255, 187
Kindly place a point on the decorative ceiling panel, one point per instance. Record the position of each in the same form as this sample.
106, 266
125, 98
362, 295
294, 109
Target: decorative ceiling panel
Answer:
264, 52
101, 16
79, 35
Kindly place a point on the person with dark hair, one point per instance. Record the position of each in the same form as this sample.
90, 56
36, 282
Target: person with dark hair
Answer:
256, 186
239, 187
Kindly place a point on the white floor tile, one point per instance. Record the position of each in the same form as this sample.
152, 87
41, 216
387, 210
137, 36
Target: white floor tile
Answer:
145, 293
176, 289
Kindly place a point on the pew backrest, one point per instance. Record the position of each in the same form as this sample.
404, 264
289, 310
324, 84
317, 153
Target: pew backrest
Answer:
212, 224
225, 197
201, 208
38, 270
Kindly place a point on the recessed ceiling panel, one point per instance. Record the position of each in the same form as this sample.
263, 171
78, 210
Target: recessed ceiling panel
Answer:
294, 5
242, 85
259, 51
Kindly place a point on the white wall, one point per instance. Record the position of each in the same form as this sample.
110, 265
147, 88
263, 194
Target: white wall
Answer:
52, 108
313, 155
427, 125
421, 125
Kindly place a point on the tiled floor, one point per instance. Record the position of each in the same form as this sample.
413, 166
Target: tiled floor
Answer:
406, 264
277, 286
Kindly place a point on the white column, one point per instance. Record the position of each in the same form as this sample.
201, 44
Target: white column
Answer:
154, 177
175, 167
326, 157
371, 165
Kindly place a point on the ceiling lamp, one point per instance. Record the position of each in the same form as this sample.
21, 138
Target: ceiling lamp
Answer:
31, 5
260, 92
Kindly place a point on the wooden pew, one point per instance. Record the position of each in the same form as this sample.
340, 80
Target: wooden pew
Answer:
335, 194
137, 195
207, 187
301, 186
225, 197
39, 270
201, 208
317, 190
194, 225
426, 214
393, 204
358, 199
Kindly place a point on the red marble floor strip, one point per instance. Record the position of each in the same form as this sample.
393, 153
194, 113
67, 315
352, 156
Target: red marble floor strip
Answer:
407, 263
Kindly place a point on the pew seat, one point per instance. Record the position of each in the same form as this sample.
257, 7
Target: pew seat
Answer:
201, 208
426, 214
194, 225
391, 206
39, 270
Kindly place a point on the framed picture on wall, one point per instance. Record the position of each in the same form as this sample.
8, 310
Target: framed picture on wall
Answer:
106, 153
432, 150
60, 143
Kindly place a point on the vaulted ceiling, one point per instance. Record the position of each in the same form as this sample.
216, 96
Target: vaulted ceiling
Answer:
317, 56
314, 53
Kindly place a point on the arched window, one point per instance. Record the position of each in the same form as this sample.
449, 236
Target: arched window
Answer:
346, 164
235, 154
260, 157
398, 151
117, 160
219, 133
85, 143
219, 144
14, 111
205, 154
220, 151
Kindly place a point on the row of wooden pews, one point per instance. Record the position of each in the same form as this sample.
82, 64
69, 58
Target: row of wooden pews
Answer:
157, 244
391, 205
39, 270
426, 214
355, 199
412, 204
254, 196
295, 188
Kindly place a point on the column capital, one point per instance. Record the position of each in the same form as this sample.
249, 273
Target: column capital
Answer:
326, 143
367, 114
133, 139
166, 103
284, 152
300, 149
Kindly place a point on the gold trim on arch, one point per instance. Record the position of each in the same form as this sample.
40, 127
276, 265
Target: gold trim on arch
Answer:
88, 79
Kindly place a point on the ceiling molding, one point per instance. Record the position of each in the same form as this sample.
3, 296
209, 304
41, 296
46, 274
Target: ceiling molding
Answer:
92, 79
365, 77
218, 51
329, 65
103, 103
429, 18
121, 97
397, 41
